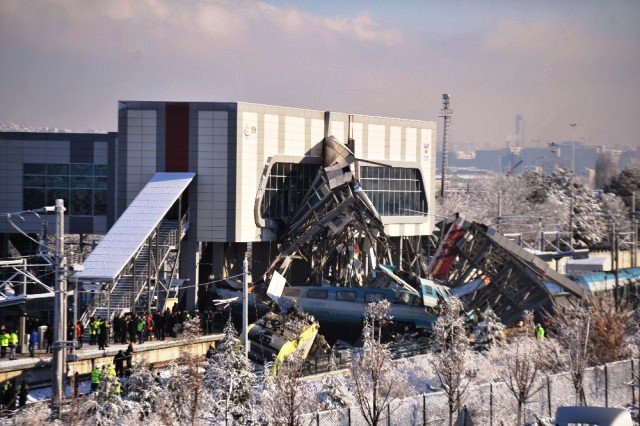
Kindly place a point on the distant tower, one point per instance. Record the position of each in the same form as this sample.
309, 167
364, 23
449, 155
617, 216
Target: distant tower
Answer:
446, 114
519, 130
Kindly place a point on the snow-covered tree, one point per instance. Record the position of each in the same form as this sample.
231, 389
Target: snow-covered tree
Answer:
105, 407
489, 331
144, 389
229, 381
372, 370
522, 372
184, 399
285, 396
334, 392
451, 359
627, 182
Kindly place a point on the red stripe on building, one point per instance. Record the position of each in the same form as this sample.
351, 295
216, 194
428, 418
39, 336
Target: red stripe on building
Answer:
177, 137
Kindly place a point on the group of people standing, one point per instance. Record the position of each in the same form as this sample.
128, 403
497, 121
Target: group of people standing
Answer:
8, 343
13, 395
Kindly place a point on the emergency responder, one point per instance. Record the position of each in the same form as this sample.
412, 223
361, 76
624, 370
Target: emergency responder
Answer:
93, 331
13, 344
5, 337
95, 379
140, 328
539, 332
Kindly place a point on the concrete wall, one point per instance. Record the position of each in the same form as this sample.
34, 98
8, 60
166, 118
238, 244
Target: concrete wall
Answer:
35, 370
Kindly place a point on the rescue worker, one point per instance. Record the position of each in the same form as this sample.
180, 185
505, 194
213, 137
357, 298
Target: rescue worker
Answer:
93, 327
140, 328
118, 360
539, 332
23, 393
4, 342
111, 371
117, 388
13, 344
95, 378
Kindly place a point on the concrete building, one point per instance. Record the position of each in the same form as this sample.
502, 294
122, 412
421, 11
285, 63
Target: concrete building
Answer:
230, 146
37, 168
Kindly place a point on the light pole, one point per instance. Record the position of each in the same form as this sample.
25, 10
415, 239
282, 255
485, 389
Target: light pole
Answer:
59, 315
573, 146
76, 268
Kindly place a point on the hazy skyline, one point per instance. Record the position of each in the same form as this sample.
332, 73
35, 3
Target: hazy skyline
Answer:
67, 63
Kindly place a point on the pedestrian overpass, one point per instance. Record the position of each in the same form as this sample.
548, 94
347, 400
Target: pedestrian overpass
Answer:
135, 264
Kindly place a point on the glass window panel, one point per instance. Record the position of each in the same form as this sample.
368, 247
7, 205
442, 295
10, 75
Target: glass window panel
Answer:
34, 169
81, 169
33, 198
100, 183
35, 181
349, 296
58, 182
100, 170
58, 169
54, 194
99, 203
373, 297
81, 182
317, 294
81, 202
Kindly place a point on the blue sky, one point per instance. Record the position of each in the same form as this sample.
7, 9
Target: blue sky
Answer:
65, 63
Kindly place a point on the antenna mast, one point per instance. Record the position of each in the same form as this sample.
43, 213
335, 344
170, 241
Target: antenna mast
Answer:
446, 114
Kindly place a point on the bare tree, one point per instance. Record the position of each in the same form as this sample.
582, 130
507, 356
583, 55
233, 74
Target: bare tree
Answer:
523, 369
573, 335
286, 396
451, 359
372, 367
609, 330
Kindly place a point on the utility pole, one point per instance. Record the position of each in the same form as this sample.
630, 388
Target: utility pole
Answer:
634, 225
573, 147
446, 114
245, 305
571, 223
59, 316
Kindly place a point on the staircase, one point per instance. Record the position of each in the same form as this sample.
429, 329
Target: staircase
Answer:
130, 291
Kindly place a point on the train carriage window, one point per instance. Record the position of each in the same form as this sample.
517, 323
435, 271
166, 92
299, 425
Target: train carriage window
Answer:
291, 292
317, 294
373, 297
347, 296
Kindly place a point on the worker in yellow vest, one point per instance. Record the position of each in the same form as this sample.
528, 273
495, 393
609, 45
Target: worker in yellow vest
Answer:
13, 344
4, 342
95, 379
92, 331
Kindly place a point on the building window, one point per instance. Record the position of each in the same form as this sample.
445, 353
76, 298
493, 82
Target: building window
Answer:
394, 191
287, 184
81, 186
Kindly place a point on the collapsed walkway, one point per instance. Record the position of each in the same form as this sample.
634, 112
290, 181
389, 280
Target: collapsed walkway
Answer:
127, 267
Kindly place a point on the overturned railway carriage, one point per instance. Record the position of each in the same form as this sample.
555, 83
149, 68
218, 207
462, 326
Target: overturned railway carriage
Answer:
488, 270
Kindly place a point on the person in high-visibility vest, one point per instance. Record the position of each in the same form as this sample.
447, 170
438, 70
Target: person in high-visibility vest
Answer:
4, 342
95, 379
111, 371
539, 332
140, 328
117, 388
13, 344
92, 331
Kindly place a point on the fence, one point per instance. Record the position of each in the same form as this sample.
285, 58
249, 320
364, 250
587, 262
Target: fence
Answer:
493, 404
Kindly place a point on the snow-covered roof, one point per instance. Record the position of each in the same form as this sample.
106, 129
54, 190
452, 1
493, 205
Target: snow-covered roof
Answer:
135, 225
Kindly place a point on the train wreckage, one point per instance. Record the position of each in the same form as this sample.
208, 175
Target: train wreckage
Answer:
337, 231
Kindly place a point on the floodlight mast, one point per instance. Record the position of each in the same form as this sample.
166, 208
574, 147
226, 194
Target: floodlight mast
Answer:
446, 114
